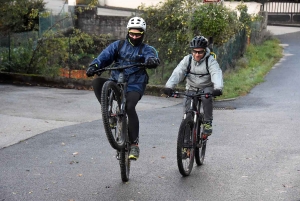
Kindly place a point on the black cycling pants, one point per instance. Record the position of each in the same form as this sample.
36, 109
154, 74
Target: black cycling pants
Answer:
132, 98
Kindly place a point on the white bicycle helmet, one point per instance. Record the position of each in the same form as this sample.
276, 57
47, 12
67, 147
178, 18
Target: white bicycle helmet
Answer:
136, 22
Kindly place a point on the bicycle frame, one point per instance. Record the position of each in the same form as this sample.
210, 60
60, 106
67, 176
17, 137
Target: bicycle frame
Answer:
191, 127
123, 87
121, 81
195, 109
198, 117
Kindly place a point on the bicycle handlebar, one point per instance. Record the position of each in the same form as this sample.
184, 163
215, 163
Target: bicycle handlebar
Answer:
176, 94
140, 65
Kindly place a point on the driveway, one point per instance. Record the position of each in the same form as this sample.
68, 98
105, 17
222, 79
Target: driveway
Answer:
253, 153
28, 111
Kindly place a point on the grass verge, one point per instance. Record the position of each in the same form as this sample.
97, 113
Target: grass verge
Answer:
251, 69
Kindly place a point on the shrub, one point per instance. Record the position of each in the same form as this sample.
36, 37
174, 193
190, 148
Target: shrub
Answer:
214, 20
167, 29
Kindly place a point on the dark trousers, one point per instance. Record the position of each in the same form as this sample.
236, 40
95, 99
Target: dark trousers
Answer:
207, 104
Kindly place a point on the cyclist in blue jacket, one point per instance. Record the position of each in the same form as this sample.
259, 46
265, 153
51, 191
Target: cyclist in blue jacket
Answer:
127, 52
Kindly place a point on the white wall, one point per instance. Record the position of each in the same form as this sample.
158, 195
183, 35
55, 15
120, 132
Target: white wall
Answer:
129, 3
253, 7
56, 5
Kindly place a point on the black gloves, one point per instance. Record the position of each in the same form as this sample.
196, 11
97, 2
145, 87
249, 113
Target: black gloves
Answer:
217, 92
152, 62
168, 91
91, 70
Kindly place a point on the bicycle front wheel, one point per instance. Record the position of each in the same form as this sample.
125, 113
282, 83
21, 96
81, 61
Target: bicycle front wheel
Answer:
200, 147
185, 147
112, 118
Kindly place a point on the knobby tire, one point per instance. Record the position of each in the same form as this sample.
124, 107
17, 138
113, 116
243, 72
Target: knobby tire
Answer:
201, 145
124, 155
185, 146
124, 164
112, 120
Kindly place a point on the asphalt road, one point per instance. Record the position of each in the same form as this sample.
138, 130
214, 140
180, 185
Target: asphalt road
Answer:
62, 153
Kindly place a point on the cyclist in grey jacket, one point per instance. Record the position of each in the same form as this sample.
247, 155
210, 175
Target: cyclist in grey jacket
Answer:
203, 76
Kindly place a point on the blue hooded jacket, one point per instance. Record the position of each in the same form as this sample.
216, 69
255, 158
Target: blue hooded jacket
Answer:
137, 78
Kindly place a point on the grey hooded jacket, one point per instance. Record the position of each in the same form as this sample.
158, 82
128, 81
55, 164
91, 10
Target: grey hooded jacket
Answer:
193, 82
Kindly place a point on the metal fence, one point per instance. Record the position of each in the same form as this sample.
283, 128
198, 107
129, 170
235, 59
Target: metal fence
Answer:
20, 47
28, 53
17, 46
56, 20
282, 12
228, 53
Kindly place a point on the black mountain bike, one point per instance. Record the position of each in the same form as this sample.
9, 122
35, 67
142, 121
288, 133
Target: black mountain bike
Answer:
191, 142
113, 101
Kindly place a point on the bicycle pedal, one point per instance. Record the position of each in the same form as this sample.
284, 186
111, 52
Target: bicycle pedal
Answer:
184, 156
205, 137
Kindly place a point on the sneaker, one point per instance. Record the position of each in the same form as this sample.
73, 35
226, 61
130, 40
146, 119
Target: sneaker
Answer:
134, 152
207, 128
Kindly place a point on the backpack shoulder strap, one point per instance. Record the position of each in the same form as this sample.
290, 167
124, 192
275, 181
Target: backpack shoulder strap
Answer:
188, 70
141, 48
211, 54
120, 45
207, 64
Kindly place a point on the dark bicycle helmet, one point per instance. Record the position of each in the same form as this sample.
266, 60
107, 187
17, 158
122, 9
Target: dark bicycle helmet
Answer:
199, 42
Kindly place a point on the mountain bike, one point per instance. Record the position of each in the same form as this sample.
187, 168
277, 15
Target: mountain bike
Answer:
191, 142
115, 121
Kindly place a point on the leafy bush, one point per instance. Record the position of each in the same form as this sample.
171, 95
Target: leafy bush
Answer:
167, 29
17, 58
55, 51
214, 20
21, 15
173, 23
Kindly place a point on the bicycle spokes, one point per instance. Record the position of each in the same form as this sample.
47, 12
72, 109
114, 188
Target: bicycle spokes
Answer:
112, 119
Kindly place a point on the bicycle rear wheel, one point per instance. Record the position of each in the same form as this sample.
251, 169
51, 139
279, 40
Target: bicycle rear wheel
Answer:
125, 164
200, 147
185, 147
112, 118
